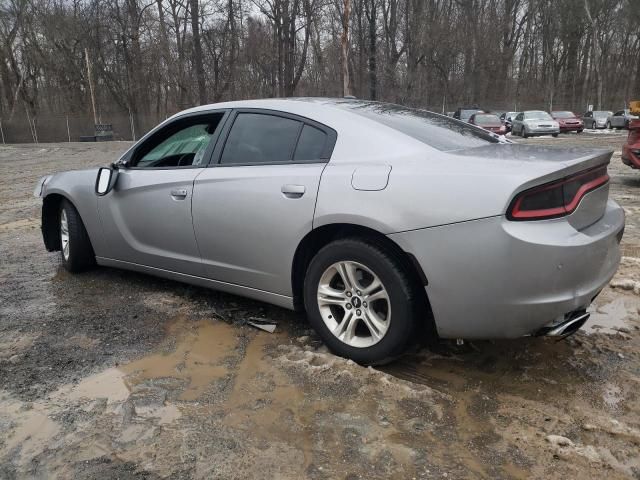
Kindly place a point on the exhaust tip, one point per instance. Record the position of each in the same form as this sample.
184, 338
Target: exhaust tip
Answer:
566, 328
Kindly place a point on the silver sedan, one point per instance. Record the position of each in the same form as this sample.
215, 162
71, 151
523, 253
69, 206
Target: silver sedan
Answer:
380, 221
534, 122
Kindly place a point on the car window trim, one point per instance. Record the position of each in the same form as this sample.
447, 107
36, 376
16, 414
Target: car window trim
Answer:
208, 151
330, 141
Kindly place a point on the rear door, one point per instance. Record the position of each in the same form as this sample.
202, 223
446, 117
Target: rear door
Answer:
146, 218
256, 202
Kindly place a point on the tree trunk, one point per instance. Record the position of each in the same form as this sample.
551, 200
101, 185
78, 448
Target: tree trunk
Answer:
197, 52
346, 87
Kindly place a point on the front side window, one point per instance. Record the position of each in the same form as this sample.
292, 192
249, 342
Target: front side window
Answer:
181, 144
260, 138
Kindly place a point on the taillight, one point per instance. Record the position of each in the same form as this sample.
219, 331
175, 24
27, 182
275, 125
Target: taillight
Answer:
558, 198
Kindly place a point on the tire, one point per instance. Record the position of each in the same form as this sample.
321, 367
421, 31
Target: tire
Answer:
579, 131
76, 253
401, 302
554, 135
608, 126
523, 132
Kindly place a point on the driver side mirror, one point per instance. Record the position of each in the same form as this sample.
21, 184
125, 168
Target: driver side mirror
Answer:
105, 180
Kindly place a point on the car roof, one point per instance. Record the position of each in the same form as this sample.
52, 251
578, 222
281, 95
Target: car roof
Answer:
358, 136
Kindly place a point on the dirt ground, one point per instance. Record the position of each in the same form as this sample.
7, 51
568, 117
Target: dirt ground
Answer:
112, 374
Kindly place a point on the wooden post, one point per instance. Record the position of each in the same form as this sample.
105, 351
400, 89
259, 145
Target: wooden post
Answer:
2, 132
346, 91
93, 98
133, 130
68, 131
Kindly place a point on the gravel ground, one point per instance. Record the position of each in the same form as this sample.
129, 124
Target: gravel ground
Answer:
113, 374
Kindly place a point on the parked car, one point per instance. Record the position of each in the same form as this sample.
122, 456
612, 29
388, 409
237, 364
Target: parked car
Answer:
507, 119
596, 119
620, 119
464, 113
568, 121
631, 149
534, 122
330, 205
488, 121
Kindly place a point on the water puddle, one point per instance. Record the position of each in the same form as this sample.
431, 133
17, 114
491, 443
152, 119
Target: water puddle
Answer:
201, 356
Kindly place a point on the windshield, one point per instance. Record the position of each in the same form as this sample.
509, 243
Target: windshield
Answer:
487, 120
563, 114
601, 114
537, 115
437, 131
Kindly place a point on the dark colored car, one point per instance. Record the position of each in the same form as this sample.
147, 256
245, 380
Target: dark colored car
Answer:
464, 113
488, 121
631, 149
568, 121
507, 118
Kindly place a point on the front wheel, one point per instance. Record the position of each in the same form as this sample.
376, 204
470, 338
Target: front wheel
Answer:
579, 131
76, 251
608, 125
361, 301
524, 132
554, 135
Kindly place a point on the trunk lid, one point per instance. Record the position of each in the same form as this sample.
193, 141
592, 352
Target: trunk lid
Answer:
539, 165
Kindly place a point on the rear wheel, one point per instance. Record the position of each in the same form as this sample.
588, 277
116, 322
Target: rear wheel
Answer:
361, 301
76, 251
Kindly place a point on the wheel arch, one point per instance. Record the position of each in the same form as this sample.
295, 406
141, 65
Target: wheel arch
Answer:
50, 227
321, 236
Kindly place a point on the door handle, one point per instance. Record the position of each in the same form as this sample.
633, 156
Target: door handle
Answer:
293, 191
179, 193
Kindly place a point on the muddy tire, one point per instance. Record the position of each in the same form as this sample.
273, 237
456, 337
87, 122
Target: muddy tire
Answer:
76, 252
361, 301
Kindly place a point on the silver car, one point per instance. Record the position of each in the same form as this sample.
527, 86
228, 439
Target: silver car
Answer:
379, 220
620, 119
596, 119
534, 122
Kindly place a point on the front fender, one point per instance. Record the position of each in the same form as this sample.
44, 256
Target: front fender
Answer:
77, 187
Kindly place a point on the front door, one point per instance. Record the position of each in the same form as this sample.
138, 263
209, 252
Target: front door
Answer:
252, 209
146, 218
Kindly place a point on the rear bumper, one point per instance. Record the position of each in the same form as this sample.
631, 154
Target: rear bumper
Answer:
492, 278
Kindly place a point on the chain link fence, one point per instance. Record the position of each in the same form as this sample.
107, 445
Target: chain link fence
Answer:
43, 128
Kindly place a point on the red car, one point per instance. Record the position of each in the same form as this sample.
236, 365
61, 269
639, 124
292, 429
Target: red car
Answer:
488, 121
568, 121
631, 149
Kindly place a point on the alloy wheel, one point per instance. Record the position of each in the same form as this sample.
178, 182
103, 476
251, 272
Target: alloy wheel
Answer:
354, 304
64, 234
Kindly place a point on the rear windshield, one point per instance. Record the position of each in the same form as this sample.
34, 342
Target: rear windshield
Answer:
438, 131
563, 114
466, 114
487, 120
537, 115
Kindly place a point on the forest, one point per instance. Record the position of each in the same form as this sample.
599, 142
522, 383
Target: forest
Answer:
151, 58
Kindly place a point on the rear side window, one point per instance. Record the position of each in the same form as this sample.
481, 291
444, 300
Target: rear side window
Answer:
260, 138
437, 131
311, 144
